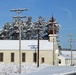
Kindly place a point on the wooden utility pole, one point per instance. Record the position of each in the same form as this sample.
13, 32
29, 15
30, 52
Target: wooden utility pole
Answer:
19, 19
39, 29
38, 47
52, 22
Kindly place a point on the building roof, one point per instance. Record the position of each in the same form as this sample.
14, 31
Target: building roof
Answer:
67, 57
68, 52
25, 45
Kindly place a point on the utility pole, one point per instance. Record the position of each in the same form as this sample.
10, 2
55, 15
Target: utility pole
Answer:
39, 25
38, 29
71, 40
52, 22
53, 45
38, 46
54, 26
19, 19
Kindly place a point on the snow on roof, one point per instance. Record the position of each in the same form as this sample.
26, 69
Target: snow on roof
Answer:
67, 56
68, 52
25, 45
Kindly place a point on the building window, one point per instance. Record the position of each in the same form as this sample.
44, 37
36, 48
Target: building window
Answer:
23, 57
12, 57
59, 61
42, 60
1, 57
34, 57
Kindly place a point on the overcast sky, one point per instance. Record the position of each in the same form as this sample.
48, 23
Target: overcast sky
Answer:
64, 12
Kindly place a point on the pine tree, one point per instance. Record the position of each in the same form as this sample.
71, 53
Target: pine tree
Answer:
29, 29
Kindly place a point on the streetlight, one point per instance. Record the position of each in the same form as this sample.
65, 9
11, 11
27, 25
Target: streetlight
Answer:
35, 56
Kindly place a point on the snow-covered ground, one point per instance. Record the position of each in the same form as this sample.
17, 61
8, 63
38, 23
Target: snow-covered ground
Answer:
31, 69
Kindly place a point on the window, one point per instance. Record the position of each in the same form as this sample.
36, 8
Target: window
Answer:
42, 60
12, 57
23, 57
1, 57
59, 61
34, 57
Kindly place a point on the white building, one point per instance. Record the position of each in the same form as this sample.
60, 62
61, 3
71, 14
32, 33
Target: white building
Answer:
9, 51
48, 49
65, 58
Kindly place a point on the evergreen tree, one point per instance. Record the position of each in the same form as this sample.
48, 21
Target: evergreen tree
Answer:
29, 29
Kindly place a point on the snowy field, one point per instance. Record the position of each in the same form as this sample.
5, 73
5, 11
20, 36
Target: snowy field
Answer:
31, 69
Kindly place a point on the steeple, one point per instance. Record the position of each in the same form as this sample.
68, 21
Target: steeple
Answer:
52, 19
52, 34
52, 23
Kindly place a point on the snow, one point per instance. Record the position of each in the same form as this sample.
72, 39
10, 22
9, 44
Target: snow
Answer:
68, 52
25, 44
67, 57
31, 69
